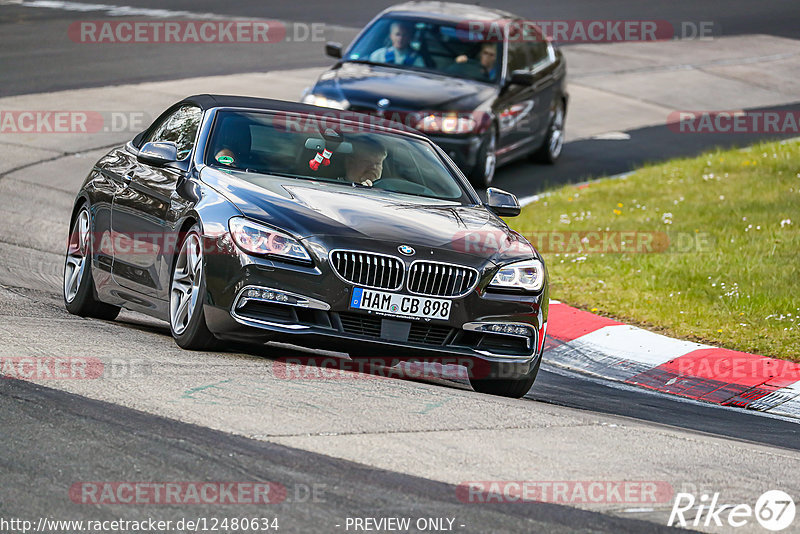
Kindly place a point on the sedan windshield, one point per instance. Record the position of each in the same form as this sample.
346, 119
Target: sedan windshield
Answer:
328, 147
445, 48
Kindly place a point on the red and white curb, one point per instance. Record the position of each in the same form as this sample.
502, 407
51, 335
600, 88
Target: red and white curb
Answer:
600, 346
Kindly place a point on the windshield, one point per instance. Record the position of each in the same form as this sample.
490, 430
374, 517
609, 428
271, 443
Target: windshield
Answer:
439, 47
327, 147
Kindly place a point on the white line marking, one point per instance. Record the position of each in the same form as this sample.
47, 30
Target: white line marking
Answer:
524, 201
612, 136
113, 10
637, 344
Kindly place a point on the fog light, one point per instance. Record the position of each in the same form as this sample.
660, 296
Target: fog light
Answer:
267, 295
513, 329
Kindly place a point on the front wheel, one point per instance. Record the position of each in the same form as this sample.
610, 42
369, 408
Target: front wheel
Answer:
79, 293
553, 143
482, 174
187, 319
514, 388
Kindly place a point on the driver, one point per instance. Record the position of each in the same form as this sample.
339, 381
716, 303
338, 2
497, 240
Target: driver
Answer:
400, 53
364, 164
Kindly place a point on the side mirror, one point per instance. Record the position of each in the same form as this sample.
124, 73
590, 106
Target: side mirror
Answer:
521, 77
158, 153
333, 50
502, 202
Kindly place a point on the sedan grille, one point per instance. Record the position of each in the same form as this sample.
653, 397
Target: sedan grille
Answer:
368, 269
441, 279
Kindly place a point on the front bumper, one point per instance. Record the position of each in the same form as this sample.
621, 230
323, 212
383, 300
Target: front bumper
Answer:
310, 306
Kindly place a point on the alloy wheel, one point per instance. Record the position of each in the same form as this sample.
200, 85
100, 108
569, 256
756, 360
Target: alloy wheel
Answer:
185, 287
77, 252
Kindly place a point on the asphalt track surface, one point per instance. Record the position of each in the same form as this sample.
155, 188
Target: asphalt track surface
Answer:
320, 491
118, 443
36, 56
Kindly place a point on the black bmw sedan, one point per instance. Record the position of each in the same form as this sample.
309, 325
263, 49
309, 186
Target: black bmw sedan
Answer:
257, 220
485, 85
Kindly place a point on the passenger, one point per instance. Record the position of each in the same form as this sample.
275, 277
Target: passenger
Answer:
482, 68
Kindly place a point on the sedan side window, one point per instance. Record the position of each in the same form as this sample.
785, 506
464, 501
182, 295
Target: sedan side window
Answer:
537, 48
180, 128
517, 57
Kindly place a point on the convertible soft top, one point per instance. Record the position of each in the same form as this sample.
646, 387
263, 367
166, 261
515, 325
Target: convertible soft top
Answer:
207, 101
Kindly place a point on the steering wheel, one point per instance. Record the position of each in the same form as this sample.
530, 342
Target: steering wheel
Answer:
398, 185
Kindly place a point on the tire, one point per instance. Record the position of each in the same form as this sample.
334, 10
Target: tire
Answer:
187, 288
514, 388
78, 287
482, 174
553, 143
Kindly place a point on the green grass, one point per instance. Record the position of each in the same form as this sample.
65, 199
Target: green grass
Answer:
730, 274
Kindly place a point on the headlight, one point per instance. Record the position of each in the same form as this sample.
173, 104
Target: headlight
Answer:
449, 123
325, 102
527, 275
259, 239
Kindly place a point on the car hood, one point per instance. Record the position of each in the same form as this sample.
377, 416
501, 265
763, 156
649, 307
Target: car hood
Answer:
363, 85
310, 210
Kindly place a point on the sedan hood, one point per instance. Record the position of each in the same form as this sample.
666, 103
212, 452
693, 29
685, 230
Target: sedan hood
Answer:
308, 208
363, 85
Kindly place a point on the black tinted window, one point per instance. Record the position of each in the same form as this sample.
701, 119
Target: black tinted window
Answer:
326, 149
517, 57
180, 128
537, 48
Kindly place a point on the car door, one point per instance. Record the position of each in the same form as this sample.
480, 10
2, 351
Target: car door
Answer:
144, 209
107, 180
541, 56
514, 108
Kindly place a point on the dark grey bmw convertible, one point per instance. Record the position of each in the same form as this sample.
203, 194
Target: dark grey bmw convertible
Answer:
258, 220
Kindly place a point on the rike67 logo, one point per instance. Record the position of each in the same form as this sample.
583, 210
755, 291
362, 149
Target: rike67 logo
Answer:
774, 510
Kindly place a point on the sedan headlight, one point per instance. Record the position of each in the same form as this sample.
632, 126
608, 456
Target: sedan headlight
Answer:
448, 123
325, 102
527, 275
259, 239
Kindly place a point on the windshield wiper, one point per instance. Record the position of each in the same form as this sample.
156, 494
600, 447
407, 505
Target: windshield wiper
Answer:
367, 62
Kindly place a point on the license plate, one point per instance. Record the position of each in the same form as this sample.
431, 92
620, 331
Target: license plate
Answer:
402, 305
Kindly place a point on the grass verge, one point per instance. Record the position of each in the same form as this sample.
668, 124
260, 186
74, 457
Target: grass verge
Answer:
706, 249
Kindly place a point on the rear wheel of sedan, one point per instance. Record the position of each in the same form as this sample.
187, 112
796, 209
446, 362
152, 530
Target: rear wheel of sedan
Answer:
553, 143
482, 174
187, 320
79, 291
514, 388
